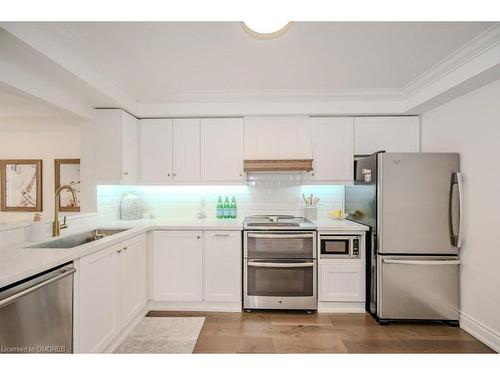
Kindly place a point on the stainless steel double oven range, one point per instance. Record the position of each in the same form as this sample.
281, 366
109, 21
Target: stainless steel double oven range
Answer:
280, 263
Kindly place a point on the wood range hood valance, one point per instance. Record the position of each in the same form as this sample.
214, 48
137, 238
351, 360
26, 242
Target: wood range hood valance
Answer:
278, 165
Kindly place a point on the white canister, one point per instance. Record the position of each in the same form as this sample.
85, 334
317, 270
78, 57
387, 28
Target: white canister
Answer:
131, 207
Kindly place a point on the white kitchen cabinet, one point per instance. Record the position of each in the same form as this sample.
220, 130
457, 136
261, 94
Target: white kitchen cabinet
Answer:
341, 281
222, 266
99, 299
112, 291
133, 278
277, 137
186, 150
115, 147
332, 148
177, 266
156, 142
390, 133
222, 149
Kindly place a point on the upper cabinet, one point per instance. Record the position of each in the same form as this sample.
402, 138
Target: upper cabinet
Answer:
166, 151
186, 150
391, 134
155, 150
332, 148
222, 149
169, 150
277, 138
115, 147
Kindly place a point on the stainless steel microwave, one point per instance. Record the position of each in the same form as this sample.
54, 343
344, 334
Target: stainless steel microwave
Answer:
333, 246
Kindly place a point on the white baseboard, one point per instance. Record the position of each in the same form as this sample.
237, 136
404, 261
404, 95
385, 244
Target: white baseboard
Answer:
341, 307
481, 332
195, 306
126, 331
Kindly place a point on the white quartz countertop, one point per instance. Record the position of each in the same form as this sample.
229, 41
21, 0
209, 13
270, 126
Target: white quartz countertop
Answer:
339, 225
19, 262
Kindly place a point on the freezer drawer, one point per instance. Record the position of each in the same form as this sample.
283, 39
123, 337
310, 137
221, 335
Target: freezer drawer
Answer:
418, 287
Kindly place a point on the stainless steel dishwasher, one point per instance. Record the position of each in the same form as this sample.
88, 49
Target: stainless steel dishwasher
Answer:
36, 314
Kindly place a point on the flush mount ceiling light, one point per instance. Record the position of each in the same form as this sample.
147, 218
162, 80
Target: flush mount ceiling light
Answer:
266, 29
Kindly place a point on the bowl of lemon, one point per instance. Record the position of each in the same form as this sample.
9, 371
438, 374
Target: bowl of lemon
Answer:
338, 215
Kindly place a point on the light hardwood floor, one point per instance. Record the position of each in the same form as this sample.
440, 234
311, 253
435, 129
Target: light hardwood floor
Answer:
297, 332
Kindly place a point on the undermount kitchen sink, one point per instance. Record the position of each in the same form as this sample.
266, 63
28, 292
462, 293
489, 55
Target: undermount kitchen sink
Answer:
77, 239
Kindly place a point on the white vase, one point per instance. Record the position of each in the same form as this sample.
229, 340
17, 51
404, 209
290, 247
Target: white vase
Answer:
131, 207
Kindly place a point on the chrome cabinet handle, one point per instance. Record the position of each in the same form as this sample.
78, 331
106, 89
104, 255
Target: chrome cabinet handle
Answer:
118, 251
125, 173
423, 262
174, 174
280, 265
125, 248
198, 237
168, 174
221, 235
66, 272
278, 236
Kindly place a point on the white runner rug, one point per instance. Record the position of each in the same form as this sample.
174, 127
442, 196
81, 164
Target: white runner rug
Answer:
163, 335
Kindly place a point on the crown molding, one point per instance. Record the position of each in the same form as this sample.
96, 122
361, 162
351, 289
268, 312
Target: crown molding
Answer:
293, 95
481, 44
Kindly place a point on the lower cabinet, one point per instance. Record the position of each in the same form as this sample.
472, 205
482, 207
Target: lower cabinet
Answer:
341, 281
177, 266
112, 290
222, 266
197, 266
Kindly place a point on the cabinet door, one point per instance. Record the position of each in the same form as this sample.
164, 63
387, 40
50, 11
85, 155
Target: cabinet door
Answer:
391, 134
277, 137
333, 148
222, 149
156, 150
130, 148
177, 266
222, 263
341, 281
186, 150
106, 145
133, 278
99, 299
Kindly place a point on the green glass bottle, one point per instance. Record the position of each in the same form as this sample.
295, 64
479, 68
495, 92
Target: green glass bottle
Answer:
233, 208
220, 208
227, 208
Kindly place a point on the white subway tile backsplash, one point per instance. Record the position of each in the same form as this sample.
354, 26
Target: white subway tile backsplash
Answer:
187, 201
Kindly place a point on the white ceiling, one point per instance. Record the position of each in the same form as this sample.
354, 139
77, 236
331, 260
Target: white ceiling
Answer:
152, 60
13, 104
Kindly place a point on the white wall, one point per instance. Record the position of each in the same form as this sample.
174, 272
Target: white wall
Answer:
470, 125
33, 139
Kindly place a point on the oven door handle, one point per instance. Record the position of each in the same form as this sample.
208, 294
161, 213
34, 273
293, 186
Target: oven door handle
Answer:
280, 265
280, 236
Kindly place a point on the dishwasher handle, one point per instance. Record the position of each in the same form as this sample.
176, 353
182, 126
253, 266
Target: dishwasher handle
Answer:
65, 272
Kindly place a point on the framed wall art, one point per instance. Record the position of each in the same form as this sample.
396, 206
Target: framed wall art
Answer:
21, 185
67, 172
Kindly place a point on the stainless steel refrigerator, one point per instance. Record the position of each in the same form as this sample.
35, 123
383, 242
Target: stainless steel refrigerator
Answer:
413, 205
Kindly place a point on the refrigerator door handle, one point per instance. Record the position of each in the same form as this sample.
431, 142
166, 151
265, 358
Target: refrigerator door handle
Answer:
423, 262
456, 239
460, 209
